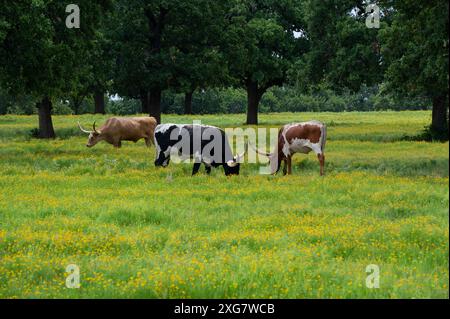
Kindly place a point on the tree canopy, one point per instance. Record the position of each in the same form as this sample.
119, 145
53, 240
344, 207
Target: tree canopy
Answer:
416, 52
40, 55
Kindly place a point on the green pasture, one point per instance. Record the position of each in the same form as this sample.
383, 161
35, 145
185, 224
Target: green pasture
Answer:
136, 231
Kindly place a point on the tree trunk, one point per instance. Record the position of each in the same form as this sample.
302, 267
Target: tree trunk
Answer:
77, 100
156, 24
155, 104
439, 122
253, 99
45, 118
188, 102
145, 101
76, 107
99, 98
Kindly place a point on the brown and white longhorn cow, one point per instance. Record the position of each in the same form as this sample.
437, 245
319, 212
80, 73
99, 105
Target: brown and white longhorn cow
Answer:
298, 138
118, 129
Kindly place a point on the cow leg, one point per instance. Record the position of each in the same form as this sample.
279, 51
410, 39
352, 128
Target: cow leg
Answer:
148, 142
289, 165
321, 158
118, 144
207, 167
284, 166
196, 168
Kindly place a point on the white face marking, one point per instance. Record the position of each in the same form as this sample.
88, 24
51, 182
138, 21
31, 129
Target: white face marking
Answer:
158, 148
91, 140
163, 128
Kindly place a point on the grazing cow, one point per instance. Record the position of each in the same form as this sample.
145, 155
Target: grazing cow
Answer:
117, 130
205, 144
298, 138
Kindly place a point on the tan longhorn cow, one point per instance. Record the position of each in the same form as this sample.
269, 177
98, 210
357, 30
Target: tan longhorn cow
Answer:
298, 138
117, 130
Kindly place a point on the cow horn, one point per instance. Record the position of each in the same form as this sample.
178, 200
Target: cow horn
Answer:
83, 130
237, 159
95, 130
260, 152
240, 156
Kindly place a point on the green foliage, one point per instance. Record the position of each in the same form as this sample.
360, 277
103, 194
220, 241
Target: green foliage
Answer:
343, 52
161, 44
18, 104
39, 54
123, 106
61, 107
416, 48
260, 42
288, 99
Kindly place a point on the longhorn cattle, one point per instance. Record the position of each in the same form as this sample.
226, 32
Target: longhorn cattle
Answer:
207, 145
298, 138
117, 130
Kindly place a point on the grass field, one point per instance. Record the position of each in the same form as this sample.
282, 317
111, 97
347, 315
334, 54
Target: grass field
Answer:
140, 232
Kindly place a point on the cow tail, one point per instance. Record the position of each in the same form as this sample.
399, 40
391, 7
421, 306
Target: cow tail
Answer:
324, 137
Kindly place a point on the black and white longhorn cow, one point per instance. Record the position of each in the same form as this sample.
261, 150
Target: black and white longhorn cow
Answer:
204, 144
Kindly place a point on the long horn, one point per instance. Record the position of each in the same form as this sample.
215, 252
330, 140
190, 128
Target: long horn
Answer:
260, 152
95, 130
240, 156
83, 130
235, 162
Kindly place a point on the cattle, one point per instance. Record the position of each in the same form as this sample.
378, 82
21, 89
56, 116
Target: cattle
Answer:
207, 145
117, 130
298, 138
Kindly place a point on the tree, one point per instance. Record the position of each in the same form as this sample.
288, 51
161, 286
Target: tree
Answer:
260, 45
94, 72
129, 46
101, 62
164, 44
415, 47
143, 57
343, 53
198, 62
40, 54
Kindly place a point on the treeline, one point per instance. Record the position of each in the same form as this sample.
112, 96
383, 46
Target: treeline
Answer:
232, 101
202, 56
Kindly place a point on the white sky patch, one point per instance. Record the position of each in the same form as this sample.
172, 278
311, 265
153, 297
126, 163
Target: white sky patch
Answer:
115, 97
299, 34
354, 12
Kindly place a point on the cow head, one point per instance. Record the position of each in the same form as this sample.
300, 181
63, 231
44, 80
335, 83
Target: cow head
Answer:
163, 144
95, 136
162, 156
232, 167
